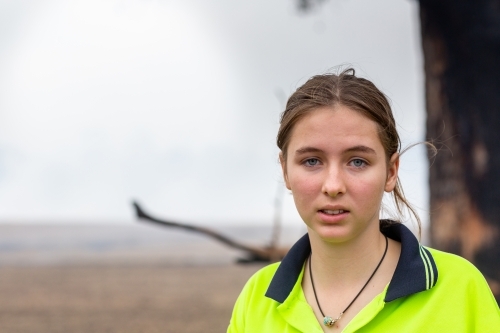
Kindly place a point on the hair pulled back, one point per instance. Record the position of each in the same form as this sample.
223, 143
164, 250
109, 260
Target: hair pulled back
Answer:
356, 93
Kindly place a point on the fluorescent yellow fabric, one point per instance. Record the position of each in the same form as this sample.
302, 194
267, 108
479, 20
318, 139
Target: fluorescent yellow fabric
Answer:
461, 301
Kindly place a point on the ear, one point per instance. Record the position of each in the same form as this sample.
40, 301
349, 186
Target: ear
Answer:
283, 169
392, 173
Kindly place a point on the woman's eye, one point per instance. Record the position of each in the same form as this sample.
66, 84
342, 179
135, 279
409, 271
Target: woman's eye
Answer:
358, 163
311, 162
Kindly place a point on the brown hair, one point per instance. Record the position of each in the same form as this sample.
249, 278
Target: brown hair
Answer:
356, 93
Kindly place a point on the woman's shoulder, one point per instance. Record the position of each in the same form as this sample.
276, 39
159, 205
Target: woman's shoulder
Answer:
250, 301
448, 262
262, 278
457, 272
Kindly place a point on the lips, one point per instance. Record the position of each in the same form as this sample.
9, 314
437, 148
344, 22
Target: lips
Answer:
333, 211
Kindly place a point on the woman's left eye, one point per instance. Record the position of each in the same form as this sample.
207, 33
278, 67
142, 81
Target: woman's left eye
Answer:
358, 163
311, 162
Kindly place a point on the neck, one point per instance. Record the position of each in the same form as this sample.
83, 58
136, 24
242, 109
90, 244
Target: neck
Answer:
346, 262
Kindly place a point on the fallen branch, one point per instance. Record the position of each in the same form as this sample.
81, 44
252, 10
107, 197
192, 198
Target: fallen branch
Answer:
255, 254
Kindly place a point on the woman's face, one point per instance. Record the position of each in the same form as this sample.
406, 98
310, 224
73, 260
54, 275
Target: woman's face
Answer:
337, 171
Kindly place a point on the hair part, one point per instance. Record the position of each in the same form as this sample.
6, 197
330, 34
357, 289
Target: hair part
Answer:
358, 94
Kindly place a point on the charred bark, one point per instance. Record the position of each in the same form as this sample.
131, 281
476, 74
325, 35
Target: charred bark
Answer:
461, 47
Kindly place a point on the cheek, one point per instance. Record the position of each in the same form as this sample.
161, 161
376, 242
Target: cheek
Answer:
368, 191
304, 189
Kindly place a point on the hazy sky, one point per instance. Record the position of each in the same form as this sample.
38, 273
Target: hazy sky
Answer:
176, 103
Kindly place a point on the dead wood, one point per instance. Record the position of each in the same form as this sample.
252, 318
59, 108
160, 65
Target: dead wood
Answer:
253, 254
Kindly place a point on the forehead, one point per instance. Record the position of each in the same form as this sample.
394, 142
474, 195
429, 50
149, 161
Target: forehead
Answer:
334, 128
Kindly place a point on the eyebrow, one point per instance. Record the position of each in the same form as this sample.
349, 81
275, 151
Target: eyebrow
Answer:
305, 150
360, 148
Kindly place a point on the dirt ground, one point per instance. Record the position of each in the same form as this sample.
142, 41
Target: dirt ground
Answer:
122, 299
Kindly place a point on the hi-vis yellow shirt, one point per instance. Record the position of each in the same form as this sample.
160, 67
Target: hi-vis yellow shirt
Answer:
415, 300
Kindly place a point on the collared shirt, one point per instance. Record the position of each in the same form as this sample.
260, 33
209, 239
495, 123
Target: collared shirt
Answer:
430, 291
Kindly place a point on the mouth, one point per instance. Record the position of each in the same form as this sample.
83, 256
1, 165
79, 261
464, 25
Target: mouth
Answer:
333, 211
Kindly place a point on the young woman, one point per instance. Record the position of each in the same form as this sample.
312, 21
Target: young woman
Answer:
353, 272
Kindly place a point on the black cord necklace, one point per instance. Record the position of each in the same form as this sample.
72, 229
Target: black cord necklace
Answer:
329, 321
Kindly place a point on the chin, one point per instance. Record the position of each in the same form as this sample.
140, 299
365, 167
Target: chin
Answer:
332, 234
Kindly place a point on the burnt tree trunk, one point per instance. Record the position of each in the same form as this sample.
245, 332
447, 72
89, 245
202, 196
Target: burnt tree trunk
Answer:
461, 47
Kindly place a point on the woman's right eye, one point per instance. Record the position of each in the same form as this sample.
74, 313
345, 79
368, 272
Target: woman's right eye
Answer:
311, 162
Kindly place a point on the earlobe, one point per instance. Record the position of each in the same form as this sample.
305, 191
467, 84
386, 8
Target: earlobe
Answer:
283, 169
392, 173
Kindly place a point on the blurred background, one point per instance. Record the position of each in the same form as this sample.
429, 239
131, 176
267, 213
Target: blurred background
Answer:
176, 105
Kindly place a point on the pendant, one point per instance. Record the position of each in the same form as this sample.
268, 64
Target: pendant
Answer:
329, 321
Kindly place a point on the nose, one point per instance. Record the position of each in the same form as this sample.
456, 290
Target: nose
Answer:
334, 182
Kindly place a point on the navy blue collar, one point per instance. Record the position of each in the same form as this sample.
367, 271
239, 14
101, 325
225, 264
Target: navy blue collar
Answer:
416, 270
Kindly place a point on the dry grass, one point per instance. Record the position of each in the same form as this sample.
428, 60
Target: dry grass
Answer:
119, 298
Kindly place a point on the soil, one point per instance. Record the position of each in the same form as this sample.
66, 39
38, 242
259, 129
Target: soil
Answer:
124, 298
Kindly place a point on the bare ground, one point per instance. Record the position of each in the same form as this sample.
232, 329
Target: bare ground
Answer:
126, 298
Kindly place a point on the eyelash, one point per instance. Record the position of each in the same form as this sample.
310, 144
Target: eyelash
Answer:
361, 160
316, 161
306, 162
